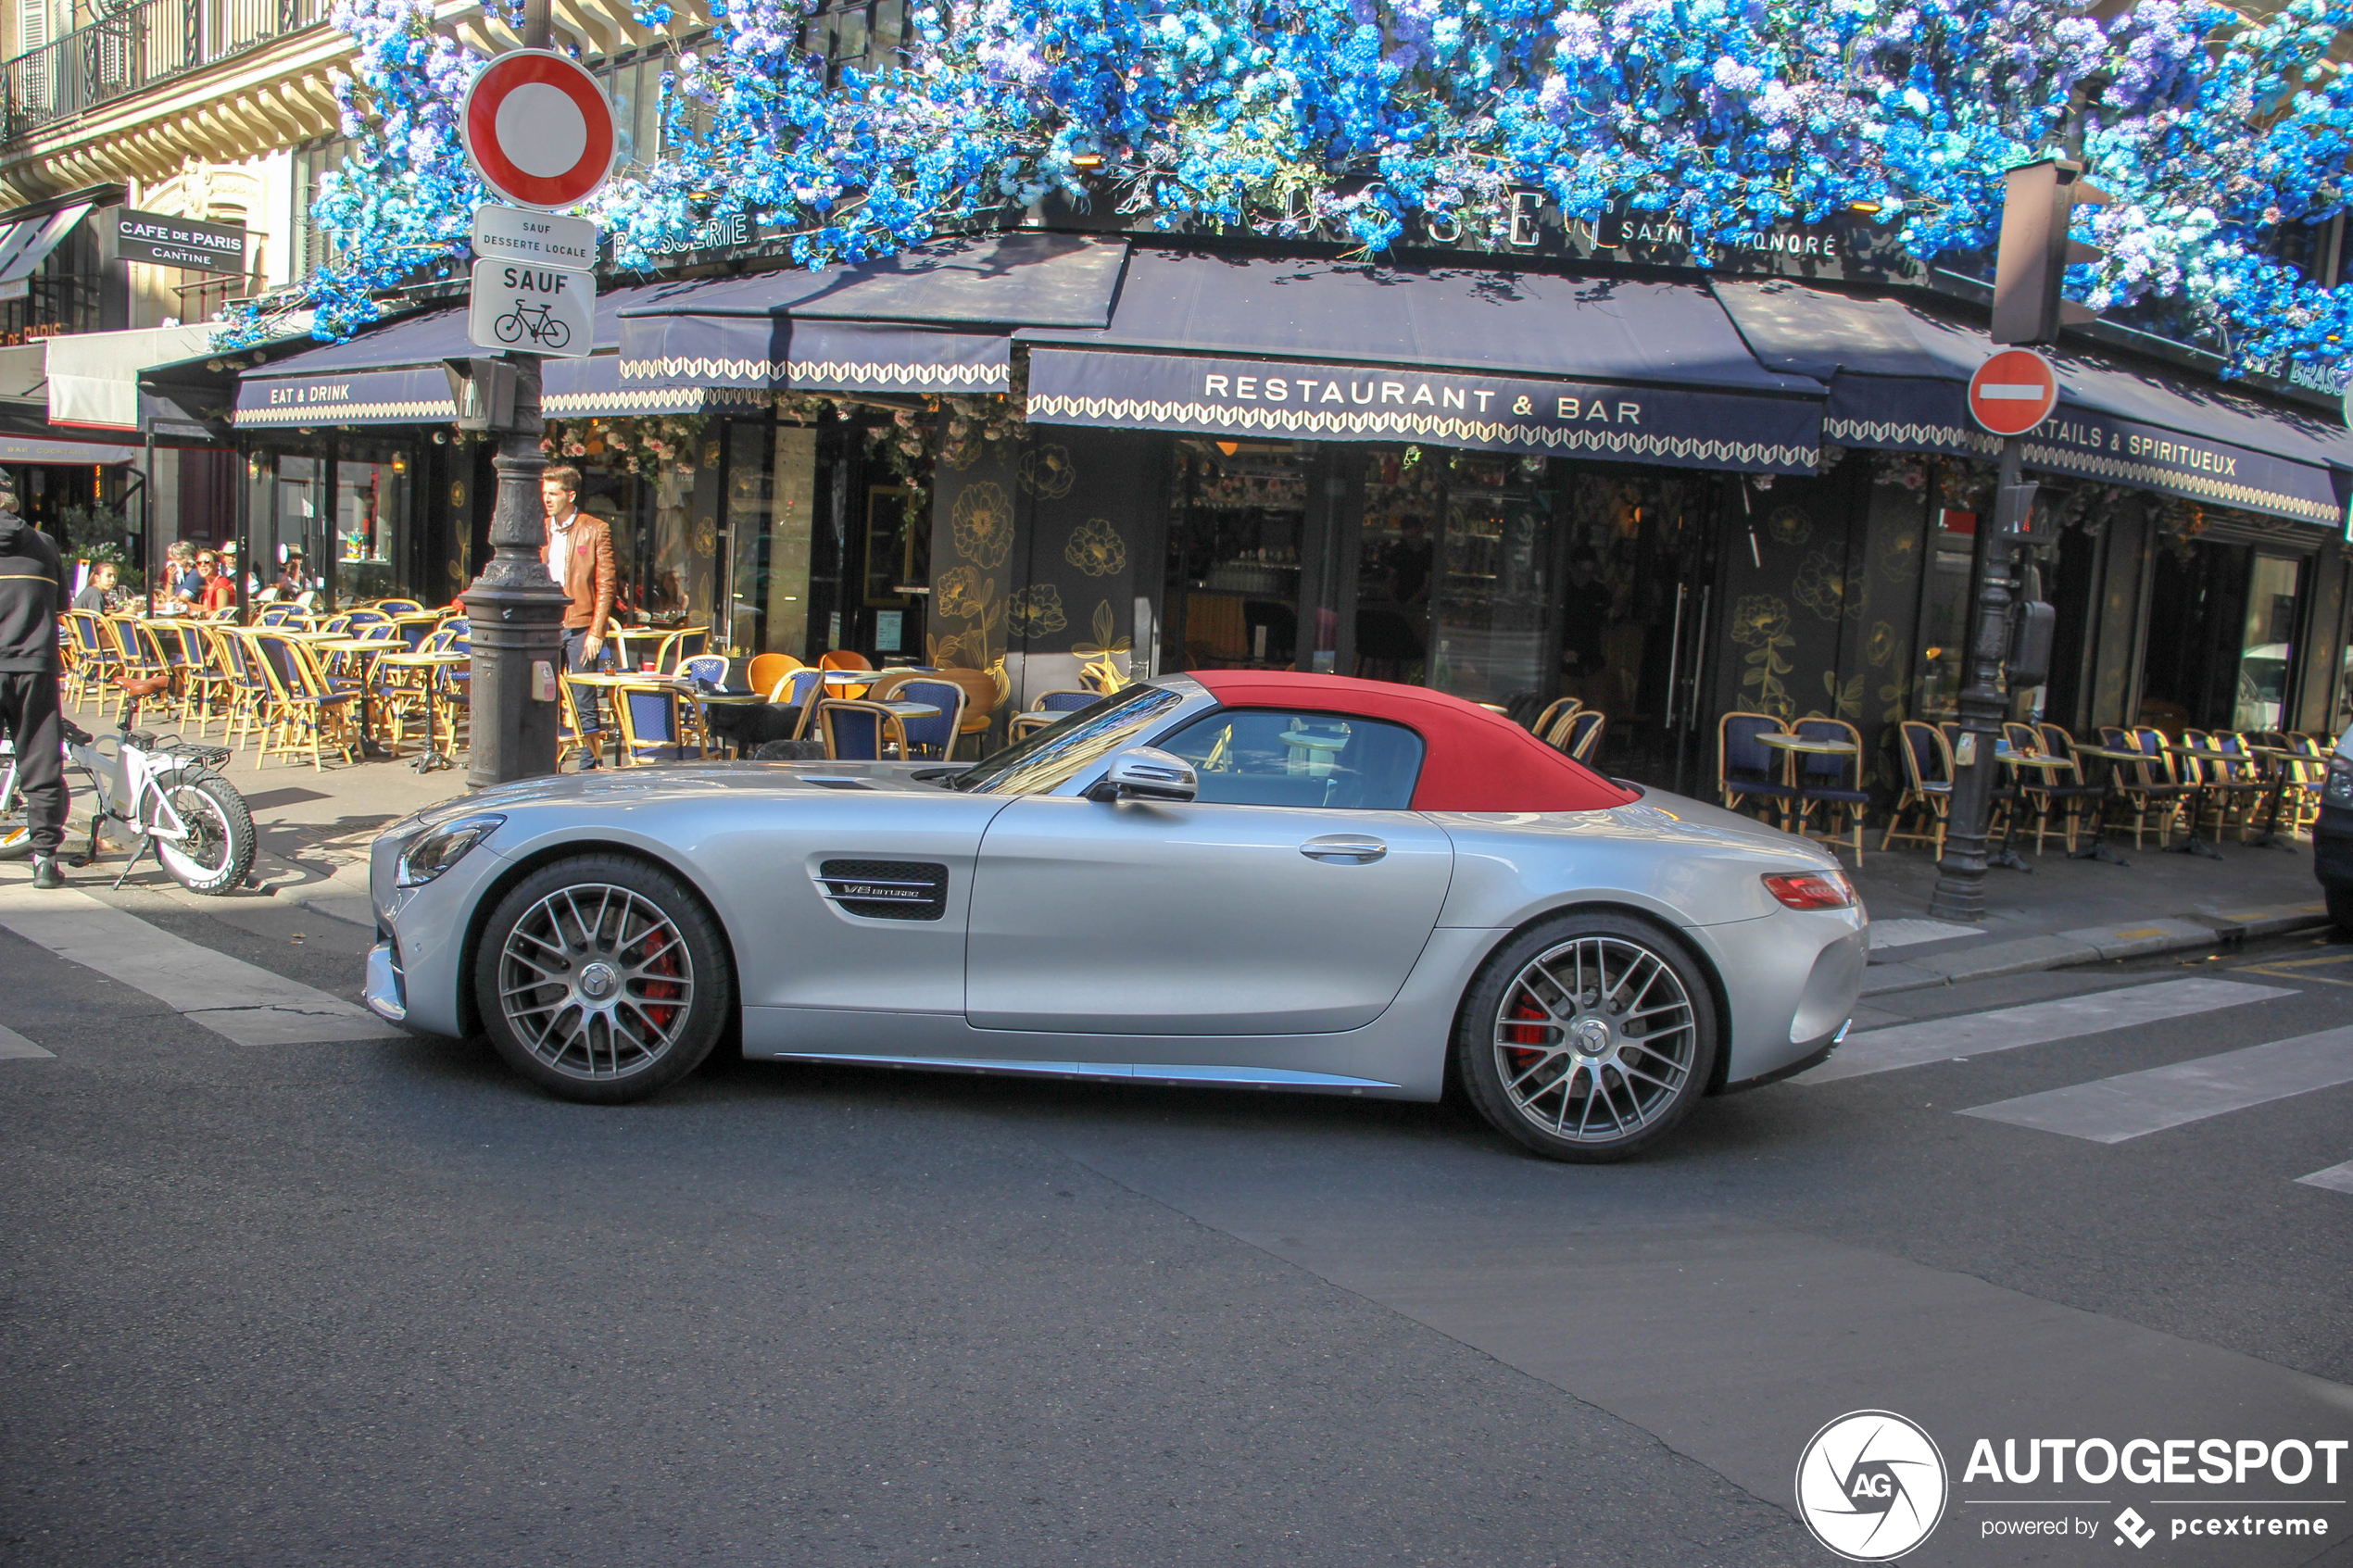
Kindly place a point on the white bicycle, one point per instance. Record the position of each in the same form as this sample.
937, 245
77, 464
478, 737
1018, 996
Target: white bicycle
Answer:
168, 797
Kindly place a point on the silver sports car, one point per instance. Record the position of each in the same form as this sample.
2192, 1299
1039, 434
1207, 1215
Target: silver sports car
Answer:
1257, 878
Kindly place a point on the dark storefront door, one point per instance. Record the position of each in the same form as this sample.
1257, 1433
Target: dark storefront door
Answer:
2222, 643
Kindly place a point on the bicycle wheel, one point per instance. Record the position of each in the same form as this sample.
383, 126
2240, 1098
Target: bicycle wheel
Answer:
16, 829
554, 334
218, 851
509, 327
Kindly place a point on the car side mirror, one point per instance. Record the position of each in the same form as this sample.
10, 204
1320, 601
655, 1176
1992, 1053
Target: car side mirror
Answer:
1142, 772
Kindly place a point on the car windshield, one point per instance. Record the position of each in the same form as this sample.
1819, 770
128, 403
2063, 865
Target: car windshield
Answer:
1049, 757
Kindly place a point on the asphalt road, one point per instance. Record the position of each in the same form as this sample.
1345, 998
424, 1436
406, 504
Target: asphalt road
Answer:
376, 1301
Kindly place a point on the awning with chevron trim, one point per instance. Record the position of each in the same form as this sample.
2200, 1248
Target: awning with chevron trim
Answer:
1612, 369
1898, 375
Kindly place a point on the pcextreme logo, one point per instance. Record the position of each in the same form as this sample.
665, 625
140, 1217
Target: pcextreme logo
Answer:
1872, 1486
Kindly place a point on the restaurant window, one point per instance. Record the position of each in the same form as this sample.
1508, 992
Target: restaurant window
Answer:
770, 497
374, 521
310, 248
1234, 556
1456, 572
1267, 758
2221, 650
63, 295
2267, 646
868, 34
634, 84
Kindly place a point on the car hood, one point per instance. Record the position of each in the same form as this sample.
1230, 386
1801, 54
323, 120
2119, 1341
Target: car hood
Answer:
682, 782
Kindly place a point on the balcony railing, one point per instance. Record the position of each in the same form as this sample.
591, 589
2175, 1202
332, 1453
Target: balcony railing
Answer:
134, 48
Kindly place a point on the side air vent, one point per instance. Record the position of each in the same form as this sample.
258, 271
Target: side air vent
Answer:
886, 889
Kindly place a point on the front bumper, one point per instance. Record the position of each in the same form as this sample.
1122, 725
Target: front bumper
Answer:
2333, 847
385, 990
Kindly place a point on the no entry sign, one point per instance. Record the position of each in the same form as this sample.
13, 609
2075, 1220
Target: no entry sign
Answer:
2013, 391
538, 129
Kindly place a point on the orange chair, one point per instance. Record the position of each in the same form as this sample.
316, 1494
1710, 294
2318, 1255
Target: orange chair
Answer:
844, 659
767, 669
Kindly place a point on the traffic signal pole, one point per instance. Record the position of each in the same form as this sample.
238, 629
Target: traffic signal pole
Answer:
515, 609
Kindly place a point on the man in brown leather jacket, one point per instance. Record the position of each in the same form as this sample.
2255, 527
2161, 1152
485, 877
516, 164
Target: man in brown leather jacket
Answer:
579, 556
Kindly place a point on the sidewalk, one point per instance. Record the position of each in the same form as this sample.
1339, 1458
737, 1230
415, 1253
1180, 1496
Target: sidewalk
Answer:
2081, 911
312, 828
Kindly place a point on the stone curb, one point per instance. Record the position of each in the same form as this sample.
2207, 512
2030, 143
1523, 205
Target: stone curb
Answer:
2094, 944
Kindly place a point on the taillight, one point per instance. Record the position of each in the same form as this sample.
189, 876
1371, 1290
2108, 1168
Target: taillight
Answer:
2337, 788
1812, 890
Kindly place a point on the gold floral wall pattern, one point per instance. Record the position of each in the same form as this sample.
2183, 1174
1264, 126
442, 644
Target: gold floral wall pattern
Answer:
982, 523
1036, 611
1760, 623
1787, 525
1096, 548
1821, 586
961, 594
1047, 471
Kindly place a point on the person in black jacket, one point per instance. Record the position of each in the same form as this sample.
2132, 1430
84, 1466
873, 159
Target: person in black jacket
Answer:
32, 591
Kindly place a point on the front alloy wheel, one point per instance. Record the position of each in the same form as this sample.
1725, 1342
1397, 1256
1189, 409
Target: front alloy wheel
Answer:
601, 979
1587, 1039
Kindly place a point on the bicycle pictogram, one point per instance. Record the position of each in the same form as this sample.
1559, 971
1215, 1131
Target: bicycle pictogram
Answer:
539, 324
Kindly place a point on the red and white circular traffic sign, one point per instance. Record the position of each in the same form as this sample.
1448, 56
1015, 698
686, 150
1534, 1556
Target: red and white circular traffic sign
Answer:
2013, 391
538, 129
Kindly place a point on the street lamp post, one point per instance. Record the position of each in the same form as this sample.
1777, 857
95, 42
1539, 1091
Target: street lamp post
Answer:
1960, 873
515, 609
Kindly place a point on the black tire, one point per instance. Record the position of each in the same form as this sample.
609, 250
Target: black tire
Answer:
222, 856
1638, 1020
629, 1033
2341, 907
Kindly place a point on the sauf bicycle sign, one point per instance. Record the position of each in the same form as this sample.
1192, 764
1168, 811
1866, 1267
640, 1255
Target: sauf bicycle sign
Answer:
532, 308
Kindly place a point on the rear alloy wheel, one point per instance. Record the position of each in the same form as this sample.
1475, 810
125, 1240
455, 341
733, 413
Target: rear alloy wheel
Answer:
602, 980
1589, 1037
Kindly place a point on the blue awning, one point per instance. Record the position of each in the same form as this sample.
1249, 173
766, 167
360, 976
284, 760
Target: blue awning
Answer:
391, 374
934, 319
1898, 376
1605, 367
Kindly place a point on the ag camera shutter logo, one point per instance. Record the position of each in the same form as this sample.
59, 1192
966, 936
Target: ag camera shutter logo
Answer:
1872, 1486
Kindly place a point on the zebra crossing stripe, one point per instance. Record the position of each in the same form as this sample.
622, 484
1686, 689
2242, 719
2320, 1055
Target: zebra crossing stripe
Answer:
1979, 1034
16, 1048
245, 1002
2336, 1178
2134, 1104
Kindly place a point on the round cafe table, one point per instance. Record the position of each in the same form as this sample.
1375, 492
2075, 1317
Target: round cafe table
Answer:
430, 663
2116, 762
2281, 761
2194, 845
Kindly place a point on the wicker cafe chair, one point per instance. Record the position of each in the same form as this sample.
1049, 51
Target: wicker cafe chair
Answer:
1554, 711
2232, 788
1581, 734
1049, 709
2146, 788
1927, 786
96, 659
1746, 770
251, 700
653, 727
203, 676
935, 736
855, 731
399, 607
1833, 782
2048, 789
981, 696
310, 713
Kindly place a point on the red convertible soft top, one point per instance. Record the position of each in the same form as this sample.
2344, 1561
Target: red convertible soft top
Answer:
1477, 761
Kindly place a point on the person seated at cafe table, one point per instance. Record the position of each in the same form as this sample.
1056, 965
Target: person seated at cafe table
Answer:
97, 594
220, 589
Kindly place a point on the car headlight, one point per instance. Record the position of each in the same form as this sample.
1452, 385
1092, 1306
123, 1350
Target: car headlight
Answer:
441, 847
2337, 788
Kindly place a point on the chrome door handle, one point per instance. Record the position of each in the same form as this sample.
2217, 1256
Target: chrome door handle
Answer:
1344, 848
